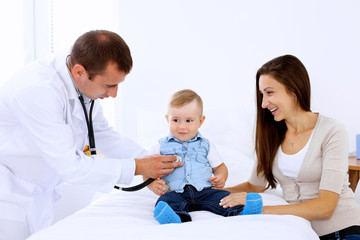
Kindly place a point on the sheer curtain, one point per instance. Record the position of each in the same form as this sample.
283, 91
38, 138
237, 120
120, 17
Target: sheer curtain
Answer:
12, 38
32, 29
68, 19
71, 18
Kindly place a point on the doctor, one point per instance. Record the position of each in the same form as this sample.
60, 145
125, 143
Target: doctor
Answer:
44, 130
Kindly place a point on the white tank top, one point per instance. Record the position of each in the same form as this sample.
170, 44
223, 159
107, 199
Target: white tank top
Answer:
290, 164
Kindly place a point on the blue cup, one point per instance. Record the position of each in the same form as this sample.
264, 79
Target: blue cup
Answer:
358, 146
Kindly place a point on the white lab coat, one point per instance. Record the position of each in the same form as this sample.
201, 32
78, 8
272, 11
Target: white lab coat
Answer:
42, 135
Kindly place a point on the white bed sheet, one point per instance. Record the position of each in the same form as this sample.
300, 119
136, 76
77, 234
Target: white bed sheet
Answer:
125, 215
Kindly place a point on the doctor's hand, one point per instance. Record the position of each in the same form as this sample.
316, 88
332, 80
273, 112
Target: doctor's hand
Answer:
156, 166
234, 199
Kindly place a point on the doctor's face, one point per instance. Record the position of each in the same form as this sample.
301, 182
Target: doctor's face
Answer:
101, 85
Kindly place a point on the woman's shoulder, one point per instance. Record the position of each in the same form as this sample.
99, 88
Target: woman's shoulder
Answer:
329, 122
327, 125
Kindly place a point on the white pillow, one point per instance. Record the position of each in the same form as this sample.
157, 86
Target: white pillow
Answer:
230, 130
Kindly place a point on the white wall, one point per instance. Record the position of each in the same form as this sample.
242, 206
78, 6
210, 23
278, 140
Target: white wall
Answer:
215, 48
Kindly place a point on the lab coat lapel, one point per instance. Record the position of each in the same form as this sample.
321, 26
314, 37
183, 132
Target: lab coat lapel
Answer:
75, 105
77, 110
74, 102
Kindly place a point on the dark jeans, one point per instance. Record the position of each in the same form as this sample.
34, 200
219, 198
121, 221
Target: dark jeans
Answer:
349, 237
350, 233
191, 200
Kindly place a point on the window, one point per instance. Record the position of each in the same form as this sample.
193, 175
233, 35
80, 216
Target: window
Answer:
69, 19
12, 38
41, 27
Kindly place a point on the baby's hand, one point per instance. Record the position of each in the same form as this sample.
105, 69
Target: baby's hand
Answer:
159, 187
218, 181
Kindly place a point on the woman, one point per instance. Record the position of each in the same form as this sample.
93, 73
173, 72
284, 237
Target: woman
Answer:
305, 152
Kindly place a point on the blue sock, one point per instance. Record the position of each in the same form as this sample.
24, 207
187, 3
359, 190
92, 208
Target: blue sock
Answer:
253, 204
164, 214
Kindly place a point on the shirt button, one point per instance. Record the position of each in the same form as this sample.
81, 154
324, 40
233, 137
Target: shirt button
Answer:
185, 144
187, 177
187, 158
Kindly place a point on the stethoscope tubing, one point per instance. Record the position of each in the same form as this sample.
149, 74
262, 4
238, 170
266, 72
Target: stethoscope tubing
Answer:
136, 187
93, 149
91, 134
89, 124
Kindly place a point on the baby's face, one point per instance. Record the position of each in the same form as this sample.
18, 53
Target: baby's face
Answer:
185, 121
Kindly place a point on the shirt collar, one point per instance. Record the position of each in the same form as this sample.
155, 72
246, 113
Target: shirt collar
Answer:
171, 137
86, 99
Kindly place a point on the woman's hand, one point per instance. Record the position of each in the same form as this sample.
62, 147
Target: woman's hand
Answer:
158, 186
234, 199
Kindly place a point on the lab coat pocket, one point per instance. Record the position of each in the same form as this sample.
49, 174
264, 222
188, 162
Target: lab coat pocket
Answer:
11, 211
15, 195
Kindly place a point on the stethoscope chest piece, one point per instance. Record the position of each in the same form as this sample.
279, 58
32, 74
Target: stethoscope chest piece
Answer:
178, 158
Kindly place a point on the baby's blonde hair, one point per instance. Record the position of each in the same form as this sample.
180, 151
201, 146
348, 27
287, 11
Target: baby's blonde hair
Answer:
183, 97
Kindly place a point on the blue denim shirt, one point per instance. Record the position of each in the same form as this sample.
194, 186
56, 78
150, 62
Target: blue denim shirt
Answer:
196, 170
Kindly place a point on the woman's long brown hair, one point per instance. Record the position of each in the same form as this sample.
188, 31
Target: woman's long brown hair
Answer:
289, 71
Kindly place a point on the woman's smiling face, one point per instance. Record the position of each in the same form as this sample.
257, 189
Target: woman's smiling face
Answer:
280, 102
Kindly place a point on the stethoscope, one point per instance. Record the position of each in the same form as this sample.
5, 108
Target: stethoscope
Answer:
145, 183
90, 128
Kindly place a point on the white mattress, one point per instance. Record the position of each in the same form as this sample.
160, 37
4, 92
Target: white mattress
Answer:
124, 215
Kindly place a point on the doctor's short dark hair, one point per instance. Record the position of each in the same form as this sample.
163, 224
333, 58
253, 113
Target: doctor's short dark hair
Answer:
95, 49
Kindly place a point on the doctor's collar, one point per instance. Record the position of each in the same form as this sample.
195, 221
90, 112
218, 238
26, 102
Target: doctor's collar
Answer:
68, 66
86, 99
